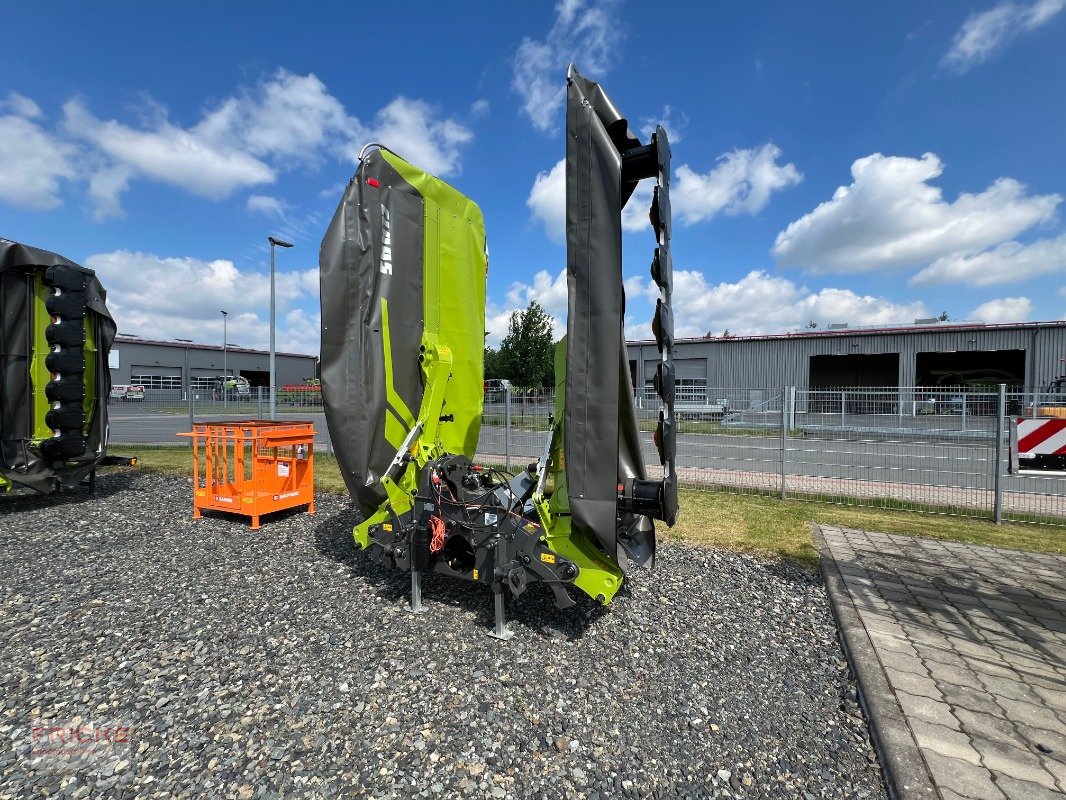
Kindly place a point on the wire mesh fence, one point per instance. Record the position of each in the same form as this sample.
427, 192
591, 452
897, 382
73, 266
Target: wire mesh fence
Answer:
156, 416
935, 449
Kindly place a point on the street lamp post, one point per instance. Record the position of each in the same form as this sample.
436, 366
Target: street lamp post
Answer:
273, 378
225, 374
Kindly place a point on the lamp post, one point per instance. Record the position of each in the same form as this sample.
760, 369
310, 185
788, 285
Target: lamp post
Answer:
225, 374
273, 378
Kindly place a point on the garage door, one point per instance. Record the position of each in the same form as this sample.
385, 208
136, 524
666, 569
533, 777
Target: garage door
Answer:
685, 369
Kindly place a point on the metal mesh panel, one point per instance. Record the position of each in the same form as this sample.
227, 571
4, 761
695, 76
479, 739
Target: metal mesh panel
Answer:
911, 448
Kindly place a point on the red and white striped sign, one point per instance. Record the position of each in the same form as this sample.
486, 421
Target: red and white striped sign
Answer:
1041, 437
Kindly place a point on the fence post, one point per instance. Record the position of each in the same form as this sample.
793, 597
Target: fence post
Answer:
1001, 410
259, 397
192, 411
791, 407
784, 435
507, 429
965, 402
843, 403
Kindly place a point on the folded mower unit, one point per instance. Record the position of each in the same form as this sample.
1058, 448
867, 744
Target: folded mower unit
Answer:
403, 270
55, 336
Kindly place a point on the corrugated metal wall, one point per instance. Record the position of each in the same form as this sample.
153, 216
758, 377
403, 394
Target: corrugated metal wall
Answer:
785, 361
158, 359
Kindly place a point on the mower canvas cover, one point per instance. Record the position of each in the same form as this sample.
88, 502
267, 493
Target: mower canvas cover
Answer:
402, 270
610, 499
55, 336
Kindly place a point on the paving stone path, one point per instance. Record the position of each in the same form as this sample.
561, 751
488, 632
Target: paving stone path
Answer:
960, 653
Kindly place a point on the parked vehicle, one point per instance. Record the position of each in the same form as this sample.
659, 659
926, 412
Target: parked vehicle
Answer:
126, 392
233, 387
494, 388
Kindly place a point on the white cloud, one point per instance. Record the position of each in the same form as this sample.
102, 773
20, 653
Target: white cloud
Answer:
672, 126
550, 292
983, 34
497, 319
183, 158
32, 161
891, 216
301, 333
267, 205
480, 108
741, 184
106, 186
151, 295
547, 200
584, 33
282, 123
1005, 309
413, 129
757, 303
764, 303
289, 117
21, 106
1009, 262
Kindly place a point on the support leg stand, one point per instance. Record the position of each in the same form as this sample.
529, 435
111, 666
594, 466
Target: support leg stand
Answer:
500, 631
416, 593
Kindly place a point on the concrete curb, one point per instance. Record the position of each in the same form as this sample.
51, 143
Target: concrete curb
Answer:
906, 775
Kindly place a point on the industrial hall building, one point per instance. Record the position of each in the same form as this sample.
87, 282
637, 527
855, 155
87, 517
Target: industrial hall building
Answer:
1027, 355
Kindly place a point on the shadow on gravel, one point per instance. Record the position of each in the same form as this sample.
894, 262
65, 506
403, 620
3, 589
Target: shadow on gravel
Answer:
534, 610
107, 485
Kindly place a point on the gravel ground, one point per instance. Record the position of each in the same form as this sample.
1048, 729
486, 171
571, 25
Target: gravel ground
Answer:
279, 663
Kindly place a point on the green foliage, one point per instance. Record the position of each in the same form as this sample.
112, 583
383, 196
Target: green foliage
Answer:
526, 354
493, 367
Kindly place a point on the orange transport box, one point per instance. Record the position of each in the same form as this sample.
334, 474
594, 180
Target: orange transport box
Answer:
252, 467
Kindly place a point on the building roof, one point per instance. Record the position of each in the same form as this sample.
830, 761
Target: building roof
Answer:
125, 338
889, 330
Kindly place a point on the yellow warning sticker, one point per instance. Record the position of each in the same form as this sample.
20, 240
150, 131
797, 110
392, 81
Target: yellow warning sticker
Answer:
201, 493
475, 574
547, 558
529, 526
387, 526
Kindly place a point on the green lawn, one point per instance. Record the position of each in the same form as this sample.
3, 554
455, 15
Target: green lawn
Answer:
743, 522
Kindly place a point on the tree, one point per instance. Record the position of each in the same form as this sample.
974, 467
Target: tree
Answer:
527, 353
812, 325
492, 363
943, 316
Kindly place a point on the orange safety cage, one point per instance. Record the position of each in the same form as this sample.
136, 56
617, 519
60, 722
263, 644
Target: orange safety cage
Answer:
252, 467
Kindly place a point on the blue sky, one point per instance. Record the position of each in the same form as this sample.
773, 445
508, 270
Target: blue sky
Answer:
834, 162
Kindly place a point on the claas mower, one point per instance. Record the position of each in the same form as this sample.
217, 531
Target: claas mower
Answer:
55, 336
403, 271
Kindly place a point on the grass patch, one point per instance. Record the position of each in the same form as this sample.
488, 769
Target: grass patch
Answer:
769, 525
741, 522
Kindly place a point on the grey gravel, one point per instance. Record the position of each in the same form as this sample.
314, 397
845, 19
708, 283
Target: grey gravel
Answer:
279, 663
